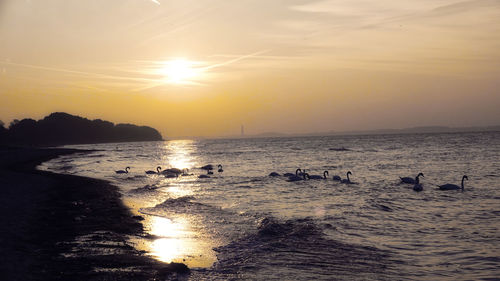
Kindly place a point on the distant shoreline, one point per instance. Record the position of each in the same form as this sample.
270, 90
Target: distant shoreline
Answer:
404, 131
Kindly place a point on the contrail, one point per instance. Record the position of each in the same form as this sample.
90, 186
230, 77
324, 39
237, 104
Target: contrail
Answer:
98, 75
235, 60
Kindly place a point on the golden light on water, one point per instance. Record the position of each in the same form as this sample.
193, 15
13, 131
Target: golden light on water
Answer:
170, 246
179, 154
179, 190
178, 242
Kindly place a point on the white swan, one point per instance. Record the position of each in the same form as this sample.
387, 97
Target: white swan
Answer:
185, 172
450, 186
411, 180
123, 171
158, 169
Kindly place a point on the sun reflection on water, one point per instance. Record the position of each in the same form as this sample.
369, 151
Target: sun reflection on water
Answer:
177, 237
179, 154
177, 242
169, 246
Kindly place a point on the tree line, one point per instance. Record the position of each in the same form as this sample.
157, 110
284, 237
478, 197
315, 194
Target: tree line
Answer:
61, 128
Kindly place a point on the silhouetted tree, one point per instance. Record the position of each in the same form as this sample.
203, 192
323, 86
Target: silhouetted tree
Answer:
61, 128
3, 132
13, 122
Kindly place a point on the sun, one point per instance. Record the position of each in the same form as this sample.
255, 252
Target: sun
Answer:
179, 71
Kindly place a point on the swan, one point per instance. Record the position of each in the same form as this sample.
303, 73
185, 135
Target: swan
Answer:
318, 177
172, 171
220, 168
153, 172
299, 175
297, 172
123, 171
203, 176
298, 178
411, 180
418, 186
208, 167
274, 174
450, 186
337, 178
185, 172
348, 180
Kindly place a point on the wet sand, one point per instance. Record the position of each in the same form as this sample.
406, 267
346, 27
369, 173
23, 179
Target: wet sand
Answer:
64, 227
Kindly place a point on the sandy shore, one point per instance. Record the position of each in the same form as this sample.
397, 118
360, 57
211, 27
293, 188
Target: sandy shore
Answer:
63, 227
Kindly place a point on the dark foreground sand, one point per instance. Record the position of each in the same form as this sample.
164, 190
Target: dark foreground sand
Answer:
63, 227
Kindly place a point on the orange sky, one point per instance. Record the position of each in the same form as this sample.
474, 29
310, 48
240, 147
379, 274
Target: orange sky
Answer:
203, 68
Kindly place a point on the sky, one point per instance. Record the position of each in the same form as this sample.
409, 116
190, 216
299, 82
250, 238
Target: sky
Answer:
206, 67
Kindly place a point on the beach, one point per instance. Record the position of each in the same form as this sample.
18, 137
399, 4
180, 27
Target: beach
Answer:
65, 227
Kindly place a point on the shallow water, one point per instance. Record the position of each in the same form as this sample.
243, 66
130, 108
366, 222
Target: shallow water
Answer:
244, 224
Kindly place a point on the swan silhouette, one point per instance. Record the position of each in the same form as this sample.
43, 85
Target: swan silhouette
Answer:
450, 186
208, 167
299, 175
418, 186
411, 180
172, 171
337, 178
123, 171
348, 180
153, 172
318, 177
274, 174
297, 172
220, 168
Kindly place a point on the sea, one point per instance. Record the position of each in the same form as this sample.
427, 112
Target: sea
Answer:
242, 224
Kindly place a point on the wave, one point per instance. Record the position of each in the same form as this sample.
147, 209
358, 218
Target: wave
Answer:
95, 155
146, 188
65, 168
184, 205
298, 247
339, 149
